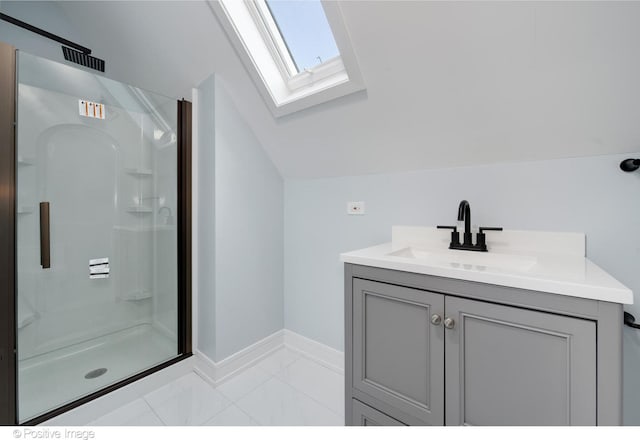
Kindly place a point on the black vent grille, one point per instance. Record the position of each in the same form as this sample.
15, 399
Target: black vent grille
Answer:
83, 59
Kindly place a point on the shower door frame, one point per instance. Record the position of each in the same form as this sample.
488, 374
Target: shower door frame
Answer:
8, 251
8, 378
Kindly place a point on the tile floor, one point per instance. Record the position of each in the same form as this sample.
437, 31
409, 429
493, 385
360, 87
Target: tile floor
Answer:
284, 389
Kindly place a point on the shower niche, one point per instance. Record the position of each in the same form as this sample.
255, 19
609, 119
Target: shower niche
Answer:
112, 306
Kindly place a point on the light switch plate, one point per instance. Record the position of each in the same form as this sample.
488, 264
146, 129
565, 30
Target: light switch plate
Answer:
355, 208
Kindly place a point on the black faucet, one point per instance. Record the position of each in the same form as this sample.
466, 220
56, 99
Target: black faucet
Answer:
464, 213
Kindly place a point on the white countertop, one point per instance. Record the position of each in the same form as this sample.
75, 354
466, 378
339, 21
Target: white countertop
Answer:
542, 261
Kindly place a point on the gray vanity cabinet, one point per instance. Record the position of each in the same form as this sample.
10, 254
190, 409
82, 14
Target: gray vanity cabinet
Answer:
435, 351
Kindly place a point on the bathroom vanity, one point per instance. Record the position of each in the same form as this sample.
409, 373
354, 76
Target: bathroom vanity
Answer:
529, 333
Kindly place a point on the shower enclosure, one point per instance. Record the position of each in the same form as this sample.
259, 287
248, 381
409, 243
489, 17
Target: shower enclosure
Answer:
100, 194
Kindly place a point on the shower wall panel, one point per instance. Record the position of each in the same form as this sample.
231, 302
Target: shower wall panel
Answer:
86, 170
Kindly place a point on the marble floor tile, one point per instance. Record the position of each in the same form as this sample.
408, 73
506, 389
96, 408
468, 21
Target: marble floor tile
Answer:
276, 403
278, 360
318, 382
242, 383
136, 413
231, 416
187, 401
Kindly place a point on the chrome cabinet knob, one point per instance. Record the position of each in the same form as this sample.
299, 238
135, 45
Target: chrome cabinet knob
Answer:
436, 319
449, 323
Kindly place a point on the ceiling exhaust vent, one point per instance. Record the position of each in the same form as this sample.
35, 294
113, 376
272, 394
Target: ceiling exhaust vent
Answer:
75, 56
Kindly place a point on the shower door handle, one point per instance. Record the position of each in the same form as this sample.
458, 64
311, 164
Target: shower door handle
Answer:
45, 236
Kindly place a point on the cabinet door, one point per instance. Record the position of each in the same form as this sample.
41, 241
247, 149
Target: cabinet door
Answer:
364, 415
510, 366
398, 355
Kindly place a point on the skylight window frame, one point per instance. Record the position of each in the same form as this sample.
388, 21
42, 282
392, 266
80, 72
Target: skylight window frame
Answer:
291, 74
266, 24
265, 58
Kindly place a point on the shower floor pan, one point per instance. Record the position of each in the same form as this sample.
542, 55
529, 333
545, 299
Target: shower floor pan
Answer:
53, 379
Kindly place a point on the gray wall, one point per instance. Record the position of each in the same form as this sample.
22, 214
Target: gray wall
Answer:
588, 195
241, 215
249, 234
204, 207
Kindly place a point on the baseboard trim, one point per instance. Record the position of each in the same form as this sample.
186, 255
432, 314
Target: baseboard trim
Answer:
217, 372
317, 351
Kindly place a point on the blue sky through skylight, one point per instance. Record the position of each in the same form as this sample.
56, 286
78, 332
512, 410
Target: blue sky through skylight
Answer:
305, 30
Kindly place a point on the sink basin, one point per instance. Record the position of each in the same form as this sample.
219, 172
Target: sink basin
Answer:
468, 260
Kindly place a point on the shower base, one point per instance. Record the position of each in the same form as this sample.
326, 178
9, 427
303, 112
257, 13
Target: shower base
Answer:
50, 380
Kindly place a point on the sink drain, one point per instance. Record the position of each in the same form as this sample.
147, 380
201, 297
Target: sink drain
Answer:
95, 373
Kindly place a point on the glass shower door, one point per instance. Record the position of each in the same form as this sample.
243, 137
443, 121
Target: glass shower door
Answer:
96, 207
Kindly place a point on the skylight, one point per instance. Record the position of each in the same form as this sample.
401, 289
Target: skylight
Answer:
305, 31
297, 52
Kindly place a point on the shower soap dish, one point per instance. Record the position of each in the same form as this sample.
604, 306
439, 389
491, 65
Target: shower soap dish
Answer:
137, 295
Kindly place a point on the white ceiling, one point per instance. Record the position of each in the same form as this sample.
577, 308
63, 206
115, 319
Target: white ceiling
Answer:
448, 83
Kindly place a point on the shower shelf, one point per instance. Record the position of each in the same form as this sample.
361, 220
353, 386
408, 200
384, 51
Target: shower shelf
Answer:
139, 172
138, 295
145, 228
140, 209
26, 160
25, 319
25, 209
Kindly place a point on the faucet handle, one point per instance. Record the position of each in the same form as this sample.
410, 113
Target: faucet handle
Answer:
487, 228
455, 236
481, 238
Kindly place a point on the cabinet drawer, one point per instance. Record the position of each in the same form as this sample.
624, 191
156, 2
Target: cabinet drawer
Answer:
364, 415
398, 355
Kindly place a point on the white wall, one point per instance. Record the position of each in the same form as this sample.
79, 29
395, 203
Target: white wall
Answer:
460, 83
44, 14
588, 195
242, 207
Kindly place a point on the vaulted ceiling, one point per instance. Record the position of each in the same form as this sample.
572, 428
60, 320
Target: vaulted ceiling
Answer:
448, 83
